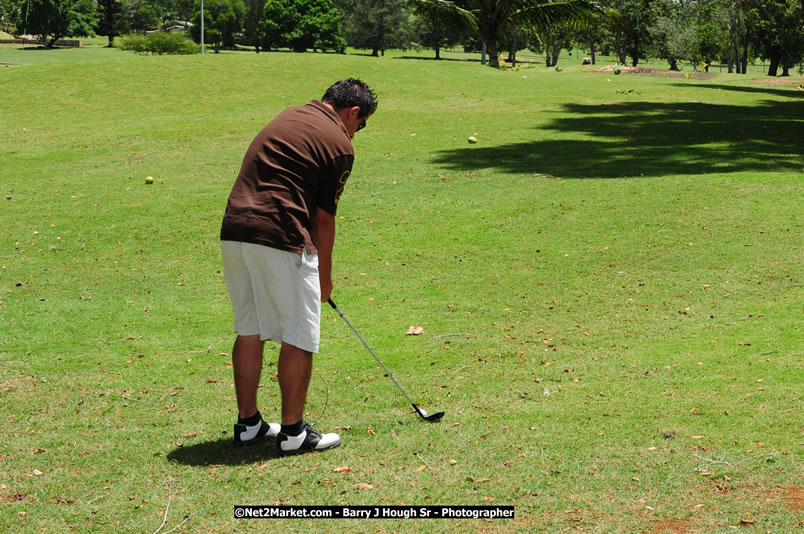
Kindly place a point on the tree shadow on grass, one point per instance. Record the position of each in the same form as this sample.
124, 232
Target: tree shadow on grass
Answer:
783, 90
221, 452
649, 139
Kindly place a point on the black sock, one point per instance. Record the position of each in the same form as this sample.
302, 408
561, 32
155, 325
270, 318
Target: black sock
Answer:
292, 430
250, 421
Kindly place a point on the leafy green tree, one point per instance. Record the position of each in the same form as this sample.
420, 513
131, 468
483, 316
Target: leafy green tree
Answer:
302, 25
550, 40
436, 35
674, 39
628, 23
222, 19
487, 18
673, 35
592, 34
112, 19
7, 13
52, 20
144, 16
780, 33
252, 34
170, 11
711, 30
376, 25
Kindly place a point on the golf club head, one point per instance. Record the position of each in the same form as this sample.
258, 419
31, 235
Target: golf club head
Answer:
423, 414
435, 417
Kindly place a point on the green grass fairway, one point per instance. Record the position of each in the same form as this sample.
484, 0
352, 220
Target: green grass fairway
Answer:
608, 282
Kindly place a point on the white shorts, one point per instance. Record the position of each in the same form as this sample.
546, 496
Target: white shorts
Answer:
274, 293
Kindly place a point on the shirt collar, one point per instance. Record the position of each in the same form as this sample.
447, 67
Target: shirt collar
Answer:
331, 114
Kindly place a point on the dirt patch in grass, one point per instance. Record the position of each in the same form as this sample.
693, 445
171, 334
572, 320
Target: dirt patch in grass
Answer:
793, 498
674, 526
664, 73
776, 82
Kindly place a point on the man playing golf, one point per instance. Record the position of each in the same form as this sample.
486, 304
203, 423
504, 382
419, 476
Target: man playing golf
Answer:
276, 241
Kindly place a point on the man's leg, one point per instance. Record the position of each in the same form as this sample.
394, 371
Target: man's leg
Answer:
247, 363
295, 368
296, 435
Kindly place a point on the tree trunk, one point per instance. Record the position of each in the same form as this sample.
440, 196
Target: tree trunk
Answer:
556, 54
673, 63
494, 54
483, 54
734, 43
774, 64
745, 53
438, 52
592, 51
512, 51
785, 68
111, 42
375, 52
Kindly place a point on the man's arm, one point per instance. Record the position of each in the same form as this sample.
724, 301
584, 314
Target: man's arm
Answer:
324, 239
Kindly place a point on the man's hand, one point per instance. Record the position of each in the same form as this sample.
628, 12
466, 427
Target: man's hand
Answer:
326, 288
324, 239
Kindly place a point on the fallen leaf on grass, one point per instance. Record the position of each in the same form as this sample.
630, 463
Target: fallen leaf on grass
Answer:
414, 331
37, 473
421, 468
342, 469
363, 486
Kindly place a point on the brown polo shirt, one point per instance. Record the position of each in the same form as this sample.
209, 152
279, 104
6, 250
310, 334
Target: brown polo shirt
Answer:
299, 162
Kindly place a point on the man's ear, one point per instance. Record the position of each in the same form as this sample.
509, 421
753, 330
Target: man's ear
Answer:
354, 111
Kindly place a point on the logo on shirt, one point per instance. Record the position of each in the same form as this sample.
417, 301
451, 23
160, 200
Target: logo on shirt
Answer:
341, 186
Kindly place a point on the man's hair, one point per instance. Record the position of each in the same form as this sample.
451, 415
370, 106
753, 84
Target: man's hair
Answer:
349, 93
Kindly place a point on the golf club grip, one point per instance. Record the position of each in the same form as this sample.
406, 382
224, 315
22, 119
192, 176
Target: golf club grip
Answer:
334, 307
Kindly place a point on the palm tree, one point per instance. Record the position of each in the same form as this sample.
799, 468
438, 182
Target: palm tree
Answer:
486, 18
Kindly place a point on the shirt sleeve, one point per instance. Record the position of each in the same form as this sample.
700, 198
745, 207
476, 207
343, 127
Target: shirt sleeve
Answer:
330, 193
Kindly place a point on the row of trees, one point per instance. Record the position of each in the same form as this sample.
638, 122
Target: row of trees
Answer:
51, 20
735, 32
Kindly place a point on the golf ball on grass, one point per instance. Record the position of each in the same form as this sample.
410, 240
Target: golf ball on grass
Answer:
149, 179
472, 139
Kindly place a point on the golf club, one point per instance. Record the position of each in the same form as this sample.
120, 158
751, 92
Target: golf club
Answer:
422, 413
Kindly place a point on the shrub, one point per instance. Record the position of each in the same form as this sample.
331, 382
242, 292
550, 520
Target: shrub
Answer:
132, 43
158, 43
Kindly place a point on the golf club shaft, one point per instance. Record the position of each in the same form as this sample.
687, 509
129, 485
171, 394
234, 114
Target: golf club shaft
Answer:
334, 307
